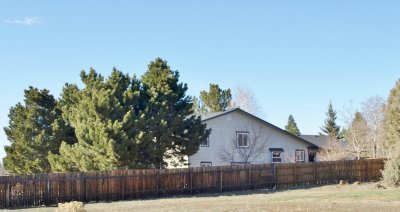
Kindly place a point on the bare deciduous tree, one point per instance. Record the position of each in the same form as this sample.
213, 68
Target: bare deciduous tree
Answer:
334, 150
257, 145
373, 112
356, 133
244, 98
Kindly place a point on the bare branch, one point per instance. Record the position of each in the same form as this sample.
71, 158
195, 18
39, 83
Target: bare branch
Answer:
244, 98
333, 151
373, 111
257, 145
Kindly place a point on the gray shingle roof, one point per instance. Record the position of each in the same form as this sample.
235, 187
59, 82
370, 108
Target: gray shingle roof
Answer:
318, 140
322, 141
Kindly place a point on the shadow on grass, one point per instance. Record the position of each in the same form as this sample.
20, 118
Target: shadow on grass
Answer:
234, 193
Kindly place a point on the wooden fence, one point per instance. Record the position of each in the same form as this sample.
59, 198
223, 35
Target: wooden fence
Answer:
50, 189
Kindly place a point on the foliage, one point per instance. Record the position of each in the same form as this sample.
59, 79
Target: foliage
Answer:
171, 128
391, 172
104, 115
216, 99
122, 122
35, 130
330, 127
292, 126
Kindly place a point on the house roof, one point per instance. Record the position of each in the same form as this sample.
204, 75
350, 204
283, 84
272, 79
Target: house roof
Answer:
209, 116
322, 141
318, 140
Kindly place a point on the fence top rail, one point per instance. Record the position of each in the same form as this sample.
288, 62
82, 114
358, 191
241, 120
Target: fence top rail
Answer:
177, 171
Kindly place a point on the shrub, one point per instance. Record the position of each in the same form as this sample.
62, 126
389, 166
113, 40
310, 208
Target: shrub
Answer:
71, 207
391, 172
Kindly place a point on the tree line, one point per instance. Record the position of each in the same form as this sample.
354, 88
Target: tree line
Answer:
372, 132
113, 122
123, 121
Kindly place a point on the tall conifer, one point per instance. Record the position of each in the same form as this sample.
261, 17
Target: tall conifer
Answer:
35, 129
171, 129
104, 115
292, 126
330, 127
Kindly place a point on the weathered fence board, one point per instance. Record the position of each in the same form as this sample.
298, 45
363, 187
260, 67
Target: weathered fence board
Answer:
50, 189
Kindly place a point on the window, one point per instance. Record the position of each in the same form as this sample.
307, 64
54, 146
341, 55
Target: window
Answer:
205, 164
300, 156
205, 143
276, 157
242, 139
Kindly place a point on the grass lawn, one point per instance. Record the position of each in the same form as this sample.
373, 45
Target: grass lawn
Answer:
325, 198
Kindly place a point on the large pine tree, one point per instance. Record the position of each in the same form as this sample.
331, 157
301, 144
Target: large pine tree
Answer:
35, 129
391, 172
122, 122
171, 129
292, 126
104, 115
330, 127
215, 99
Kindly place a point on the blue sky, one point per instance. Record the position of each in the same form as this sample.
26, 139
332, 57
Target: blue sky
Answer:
295, 55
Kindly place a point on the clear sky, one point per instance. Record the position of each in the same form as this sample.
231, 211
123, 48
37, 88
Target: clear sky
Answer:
295, 55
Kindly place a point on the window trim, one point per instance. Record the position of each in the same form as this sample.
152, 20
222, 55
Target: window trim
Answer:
208, 143
237, 139
280, 157
203, 163
295, 155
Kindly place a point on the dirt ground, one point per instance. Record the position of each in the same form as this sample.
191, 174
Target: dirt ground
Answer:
364, 197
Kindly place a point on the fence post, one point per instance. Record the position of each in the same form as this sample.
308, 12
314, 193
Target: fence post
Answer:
158, 182
48, 191
275, 175
8, 203
220, 180
123, 187
85, 196
294, 174
367, 170
249, 177
191, 180
315, 172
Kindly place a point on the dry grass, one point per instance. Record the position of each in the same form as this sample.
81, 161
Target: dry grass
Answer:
364, 197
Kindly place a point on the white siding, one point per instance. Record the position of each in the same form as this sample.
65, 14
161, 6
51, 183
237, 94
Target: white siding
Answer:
223, 134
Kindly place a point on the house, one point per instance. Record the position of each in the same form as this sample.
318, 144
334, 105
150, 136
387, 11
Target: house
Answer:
238, 137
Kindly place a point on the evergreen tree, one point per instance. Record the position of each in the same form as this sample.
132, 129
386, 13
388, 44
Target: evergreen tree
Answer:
330, 127
216, 99
391, 172
104, 115
171, 128
35, 129
292, 126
